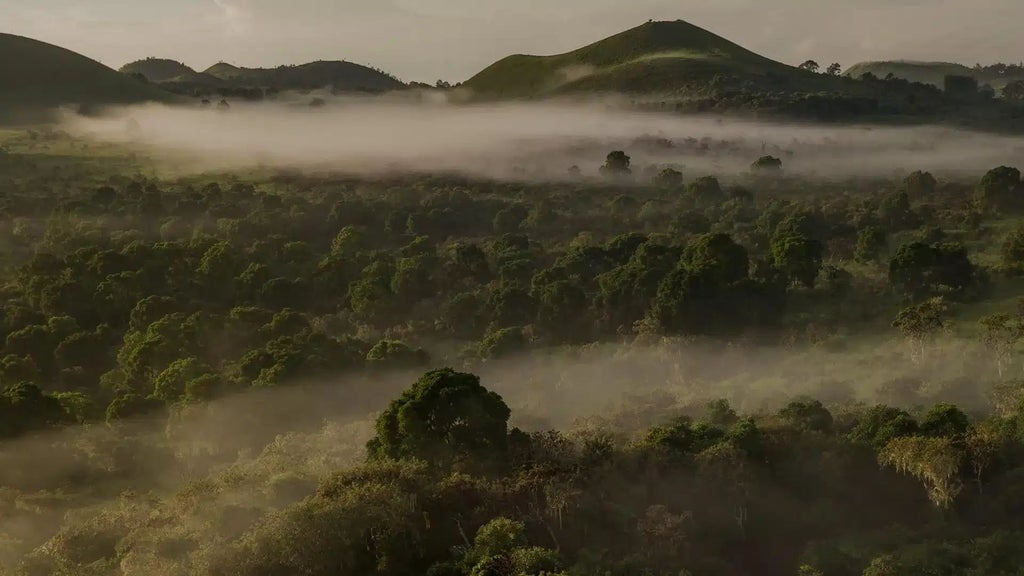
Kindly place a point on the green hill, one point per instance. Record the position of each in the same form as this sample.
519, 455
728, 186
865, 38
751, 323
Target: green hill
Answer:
224, 71
35, 76
338, 75
655, 57
157, 69
933, 73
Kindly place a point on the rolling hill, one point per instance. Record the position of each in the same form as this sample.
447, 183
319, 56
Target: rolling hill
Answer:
933, 73
35, 76
654, 57
338, 75
158, 69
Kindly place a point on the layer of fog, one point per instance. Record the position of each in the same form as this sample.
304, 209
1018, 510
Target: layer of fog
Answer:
372, 136
241, 450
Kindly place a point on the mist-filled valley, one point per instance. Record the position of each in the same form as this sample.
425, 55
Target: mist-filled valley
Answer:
655, 306
525, 141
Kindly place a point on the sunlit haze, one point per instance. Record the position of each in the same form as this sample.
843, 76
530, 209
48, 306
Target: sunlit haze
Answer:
453, 39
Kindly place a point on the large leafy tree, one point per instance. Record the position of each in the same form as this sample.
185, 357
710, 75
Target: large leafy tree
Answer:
798, 257
446, 414
1000, 189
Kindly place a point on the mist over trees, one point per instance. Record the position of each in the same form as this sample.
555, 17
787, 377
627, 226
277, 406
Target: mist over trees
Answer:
642, 368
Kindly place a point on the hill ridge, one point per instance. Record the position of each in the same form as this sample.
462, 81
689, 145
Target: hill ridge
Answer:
669, 48
38, 76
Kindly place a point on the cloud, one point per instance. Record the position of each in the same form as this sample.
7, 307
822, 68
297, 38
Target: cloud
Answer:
237, 14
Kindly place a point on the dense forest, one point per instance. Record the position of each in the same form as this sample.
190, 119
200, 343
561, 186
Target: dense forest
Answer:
649, 372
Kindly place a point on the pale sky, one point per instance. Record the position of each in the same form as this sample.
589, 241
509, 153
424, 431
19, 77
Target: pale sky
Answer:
425, 40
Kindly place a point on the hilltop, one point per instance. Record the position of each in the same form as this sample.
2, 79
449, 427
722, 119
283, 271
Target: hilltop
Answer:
654, 57
157, 69
227, 79
934, 73
37, 76
338, 75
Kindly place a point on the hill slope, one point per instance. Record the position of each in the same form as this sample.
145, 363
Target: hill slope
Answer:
338, 75
158, 69
35, 76
654, 57
934, 73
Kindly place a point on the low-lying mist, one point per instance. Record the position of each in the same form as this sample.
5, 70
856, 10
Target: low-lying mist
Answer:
268, 448
526, 141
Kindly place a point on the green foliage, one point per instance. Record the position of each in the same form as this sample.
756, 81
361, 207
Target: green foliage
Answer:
798, 257
617, 164
919, 270
808, 415
1000, 190
881, 424
396, 354
446, 414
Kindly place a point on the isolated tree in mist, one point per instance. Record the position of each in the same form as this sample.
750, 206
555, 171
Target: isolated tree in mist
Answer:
920, 323
446, 414
669, 178
810, 66
767, 164
1000, 335
920, 184
834, 69
616, 164
1000, 189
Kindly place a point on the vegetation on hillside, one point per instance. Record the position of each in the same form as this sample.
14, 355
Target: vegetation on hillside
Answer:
157, 69
37, 76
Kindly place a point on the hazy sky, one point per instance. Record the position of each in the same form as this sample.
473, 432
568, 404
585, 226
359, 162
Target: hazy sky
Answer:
452, 39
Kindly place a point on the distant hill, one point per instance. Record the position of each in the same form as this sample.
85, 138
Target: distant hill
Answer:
935, 73
338, 75
35, 76
654, 57
157, 69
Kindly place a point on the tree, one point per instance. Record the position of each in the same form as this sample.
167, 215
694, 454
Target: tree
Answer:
616, 164
1013, 250
706, 191
882, 424
718, 257
960, 87
834, 69
810, 66
669, 178
936, 462
871, 242
919, 270
1000, 335
798, 257
769, 164
1000, 190
919, 323
396, 354
502, 342
446, 414
945, 421
1014, 91
920, 184
807, 414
